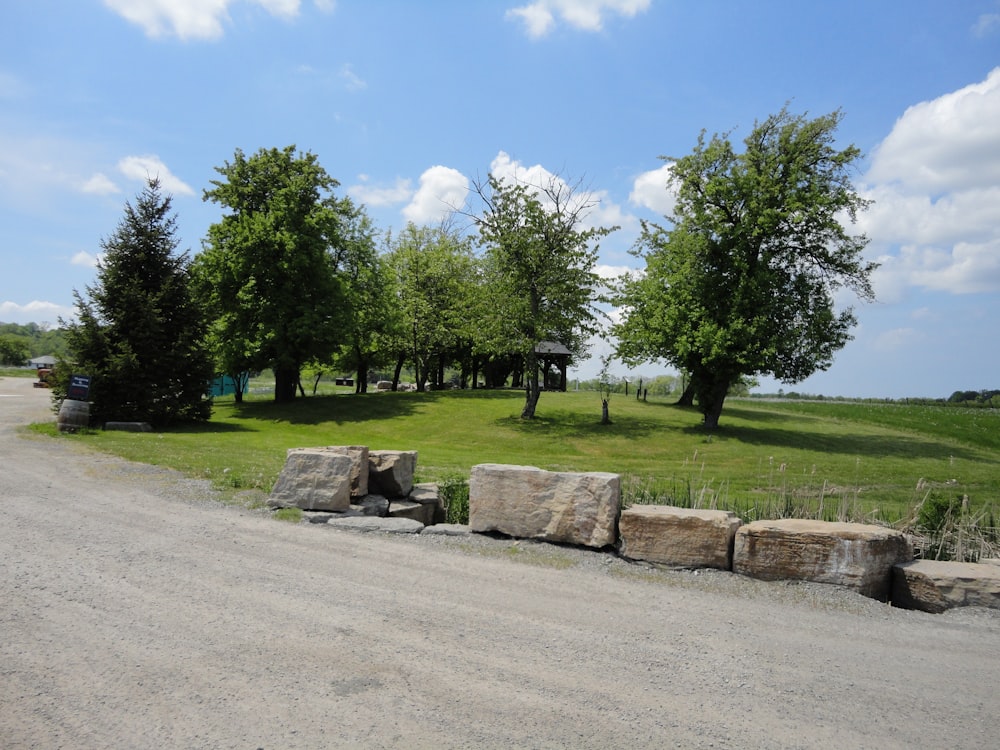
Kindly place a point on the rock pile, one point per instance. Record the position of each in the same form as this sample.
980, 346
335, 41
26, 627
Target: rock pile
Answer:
342, 484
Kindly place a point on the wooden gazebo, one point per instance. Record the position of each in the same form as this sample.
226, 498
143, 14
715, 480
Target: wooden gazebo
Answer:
552, 354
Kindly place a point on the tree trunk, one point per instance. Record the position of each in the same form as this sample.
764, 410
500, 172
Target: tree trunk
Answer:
286, 380
710, 400
532, 389
605, 416
687, 398
400, 361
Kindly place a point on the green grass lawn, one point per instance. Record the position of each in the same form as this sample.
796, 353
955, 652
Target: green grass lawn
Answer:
824, 459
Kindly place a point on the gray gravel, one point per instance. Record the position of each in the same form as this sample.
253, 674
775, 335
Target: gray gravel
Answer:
137, 611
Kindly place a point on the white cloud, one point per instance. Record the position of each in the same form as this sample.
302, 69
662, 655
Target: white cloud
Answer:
442, 191
986, 24
653, 191
586, 15
83, 258
897, 338
947, 144
371, 195
351, 79
935, 181
35, 311
150, 166
100, 184
194, 19
600, 211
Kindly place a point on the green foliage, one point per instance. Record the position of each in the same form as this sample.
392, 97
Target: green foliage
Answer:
434, 278
539, 268
14, 350
268, 272
373, 319
454, 489
140, 336
743, 283
41, 339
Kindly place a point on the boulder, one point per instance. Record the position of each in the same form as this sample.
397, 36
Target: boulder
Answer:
935, 585
446, 529
679, 537
372, 505
373, 523
408, 509
428, 493
359, 466
523, 501
313, 479
857, 556
390, 473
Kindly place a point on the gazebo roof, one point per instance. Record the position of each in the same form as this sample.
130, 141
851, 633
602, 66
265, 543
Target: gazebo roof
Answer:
552, 347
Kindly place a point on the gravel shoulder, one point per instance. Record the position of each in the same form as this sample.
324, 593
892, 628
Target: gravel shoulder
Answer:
139, 611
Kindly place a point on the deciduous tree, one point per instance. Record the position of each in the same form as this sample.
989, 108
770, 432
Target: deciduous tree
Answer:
539, 270
269, 266
743, 282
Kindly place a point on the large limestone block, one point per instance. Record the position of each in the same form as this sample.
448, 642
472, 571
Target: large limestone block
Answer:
359, 466
313, 479
935, 585
522, 501
679, 537
857, 556
390, 473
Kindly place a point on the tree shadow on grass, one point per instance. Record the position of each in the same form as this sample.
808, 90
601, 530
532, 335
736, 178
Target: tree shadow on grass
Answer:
773, 436
342, 409
557, 423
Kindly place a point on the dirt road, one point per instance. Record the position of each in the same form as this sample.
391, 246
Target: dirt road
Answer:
137, 612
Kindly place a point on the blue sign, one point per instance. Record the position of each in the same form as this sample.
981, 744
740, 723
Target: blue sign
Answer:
79, 387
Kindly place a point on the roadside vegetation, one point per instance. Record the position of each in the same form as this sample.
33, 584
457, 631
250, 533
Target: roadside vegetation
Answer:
930, 469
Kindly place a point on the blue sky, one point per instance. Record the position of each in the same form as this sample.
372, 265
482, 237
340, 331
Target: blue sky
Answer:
405, 103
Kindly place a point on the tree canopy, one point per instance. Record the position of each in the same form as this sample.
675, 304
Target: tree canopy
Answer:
268, 270
743, 281
140, 334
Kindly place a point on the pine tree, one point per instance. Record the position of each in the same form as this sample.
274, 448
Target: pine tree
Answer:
139, 334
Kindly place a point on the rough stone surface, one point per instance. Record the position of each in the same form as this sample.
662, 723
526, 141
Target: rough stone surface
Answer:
408, 509
313, 479
678, 537
428, 493
447, 529
934, 585
523, 501
390, 473
857, 556
372, 505
373, 523
359, 466
322, 516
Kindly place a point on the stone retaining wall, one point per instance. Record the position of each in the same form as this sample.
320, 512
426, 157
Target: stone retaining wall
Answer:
350, 482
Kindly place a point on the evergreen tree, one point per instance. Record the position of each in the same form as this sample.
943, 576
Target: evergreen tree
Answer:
140, 336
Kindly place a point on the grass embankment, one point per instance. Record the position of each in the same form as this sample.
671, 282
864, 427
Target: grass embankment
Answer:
768, 459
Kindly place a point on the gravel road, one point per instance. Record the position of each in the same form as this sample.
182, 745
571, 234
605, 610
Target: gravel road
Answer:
137, 611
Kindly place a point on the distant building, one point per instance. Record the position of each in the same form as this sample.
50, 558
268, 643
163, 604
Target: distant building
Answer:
47, 361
